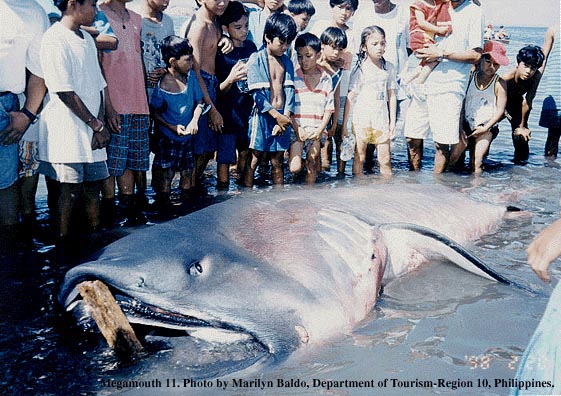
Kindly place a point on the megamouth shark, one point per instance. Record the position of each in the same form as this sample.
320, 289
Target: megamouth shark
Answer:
282, 269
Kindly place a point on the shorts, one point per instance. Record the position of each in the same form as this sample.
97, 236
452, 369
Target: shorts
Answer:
206, 140
439, 114
260, 133
308, 142
75, 173
228, 143
371, 124
174, 155
8, 154
371, 135
28, 158
129, 149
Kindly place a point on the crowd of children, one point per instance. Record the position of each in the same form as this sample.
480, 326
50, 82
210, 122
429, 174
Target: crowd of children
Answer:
249, 87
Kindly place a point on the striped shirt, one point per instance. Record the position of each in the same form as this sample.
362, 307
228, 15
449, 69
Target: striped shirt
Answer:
311, 104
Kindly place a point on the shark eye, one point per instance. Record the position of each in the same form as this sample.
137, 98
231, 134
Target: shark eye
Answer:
195, 269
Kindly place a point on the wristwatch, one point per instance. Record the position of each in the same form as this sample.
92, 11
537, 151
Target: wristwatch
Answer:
32, 117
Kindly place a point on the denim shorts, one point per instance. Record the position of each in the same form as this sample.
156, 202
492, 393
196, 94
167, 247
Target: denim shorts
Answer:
8, 154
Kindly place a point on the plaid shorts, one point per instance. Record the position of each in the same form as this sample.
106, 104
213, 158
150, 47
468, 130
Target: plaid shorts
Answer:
28, 161
174, 155
129, 148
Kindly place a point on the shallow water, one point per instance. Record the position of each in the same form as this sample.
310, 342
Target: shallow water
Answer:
436, 323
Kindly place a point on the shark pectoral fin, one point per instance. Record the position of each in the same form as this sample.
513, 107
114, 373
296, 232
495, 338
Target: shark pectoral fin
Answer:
434, 241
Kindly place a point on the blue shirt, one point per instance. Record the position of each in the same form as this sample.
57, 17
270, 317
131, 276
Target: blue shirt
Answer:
234, 106
177, 108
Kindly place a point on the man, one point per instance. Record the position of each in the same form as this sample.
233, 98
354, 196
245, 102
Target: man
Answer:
436, 106
22, 24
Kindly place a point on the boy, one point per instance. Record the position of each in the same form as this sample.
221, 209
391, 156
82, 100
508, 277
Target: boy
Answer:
270, 79
156, 26
257, 19
341, 12
234, 104
335, 61
127, 114
204, 35
72, 138
301, 11
176, 105
522, 84
313, 107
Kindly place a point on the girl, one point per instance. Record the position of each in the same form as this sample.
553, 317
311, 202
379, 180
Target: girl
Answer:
485, 103
176, 105
372, 101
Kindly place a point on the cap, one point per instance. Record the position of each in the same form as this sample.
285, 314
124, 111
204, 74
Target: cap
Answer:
497, 51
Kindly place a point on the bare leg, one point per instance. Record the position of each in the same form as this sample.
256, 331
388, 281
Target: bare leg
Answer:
252, 167
415, 153
482, 145
552, 142
360, 156
9, 205
311, 162
28, 190
425, 71
277, 172
243, 157
68, 195
223, 175
326, 154
90, 197
458, 150
185, 180
384, 158
295, 157
441, 157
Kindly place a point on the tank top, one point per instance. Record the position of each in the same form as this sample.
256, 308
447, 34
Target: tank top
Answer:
480, 104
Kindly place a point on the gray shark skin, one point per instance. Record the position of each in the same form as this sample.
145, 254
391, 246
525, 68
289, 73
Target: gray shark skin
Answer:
286, 268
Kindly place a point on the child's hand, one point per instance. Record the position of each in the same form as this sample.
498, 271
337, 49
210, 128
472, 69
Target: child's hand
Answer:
238, 72
315, 134
443, 30
283, 121
181, 130
522, 133
331, 131
192, 128
479, 130
344, 132
216, 122
155, 75
112, 119
225, 44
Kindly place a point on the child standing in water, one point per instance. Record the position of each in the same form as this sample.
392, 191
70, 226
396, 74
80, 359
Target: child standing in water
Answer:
313, 107
485, 103
372, 101
270, 79
176, 105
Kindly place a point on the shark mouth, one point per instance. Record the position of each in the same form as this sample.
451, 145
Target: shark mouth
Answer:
151, 320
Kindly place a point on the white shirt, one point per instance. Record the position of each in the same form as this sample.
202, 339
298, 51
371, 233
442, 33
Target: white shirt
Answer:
396, 26
69, 64
22, 23
467, 33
